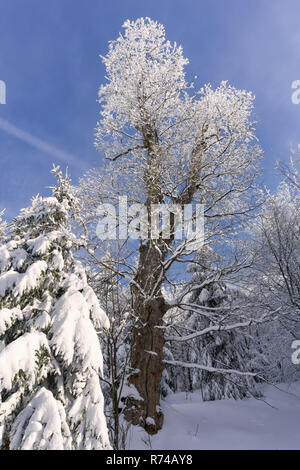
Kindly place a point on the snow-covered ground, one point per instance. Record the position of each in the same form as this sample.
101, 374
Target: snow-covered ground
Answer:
191, 423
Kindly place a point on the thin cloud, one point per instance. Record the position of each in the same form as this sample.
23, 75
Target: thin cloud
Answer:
41, 144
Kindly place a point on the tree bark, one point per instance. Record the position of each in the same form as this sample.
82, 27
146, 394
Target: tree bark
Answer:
147, 364
147, 344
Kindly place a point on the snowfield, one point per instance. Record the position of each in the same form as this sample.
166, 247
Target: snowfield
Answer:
191, 423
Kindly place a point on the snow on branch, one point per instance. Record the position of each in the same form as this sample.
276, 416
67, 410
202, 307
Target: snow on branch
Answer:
42, 425
208, 368
21, 359
263, 319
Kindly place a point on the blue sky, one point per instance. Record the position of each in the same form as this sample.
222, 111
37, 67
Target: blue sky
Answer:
49, 60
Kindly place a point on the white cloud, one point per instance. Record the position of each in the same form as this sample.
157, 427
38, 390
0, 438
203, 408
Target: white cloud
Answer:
40, 144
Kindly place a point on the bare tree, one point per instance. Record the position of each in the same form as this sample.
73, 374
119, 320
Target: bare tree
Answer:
116, 347
274, 241
2, 225
291, 172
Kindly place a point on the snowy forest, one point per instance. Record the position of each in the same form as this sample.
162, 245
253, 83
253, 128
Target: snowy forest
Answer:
104, 335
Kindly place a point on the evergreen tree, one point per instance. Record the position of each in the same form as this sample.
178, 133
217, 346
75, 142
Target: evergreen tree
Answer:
51, 359
218, 349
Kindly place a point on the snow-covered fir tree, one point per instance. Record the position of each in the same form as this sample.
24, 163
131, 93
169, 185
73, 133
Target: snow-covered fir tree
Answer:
232, 350
49, 316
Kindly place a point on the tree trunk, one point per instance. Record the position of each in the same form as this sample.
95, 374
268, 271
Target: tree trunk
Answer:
142, 406
147, 364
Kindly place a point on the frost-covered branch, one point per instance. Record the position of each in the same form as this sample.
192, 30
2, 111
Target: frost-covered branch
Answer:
263, 319
209, 369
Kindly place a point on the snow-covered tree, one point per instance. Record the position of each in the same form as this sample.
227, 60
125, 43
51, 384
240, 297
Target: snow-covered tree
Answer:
231, 349
291, 172
275, 236
166, 144
49, 316
115, 341
2, 225
274, 240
